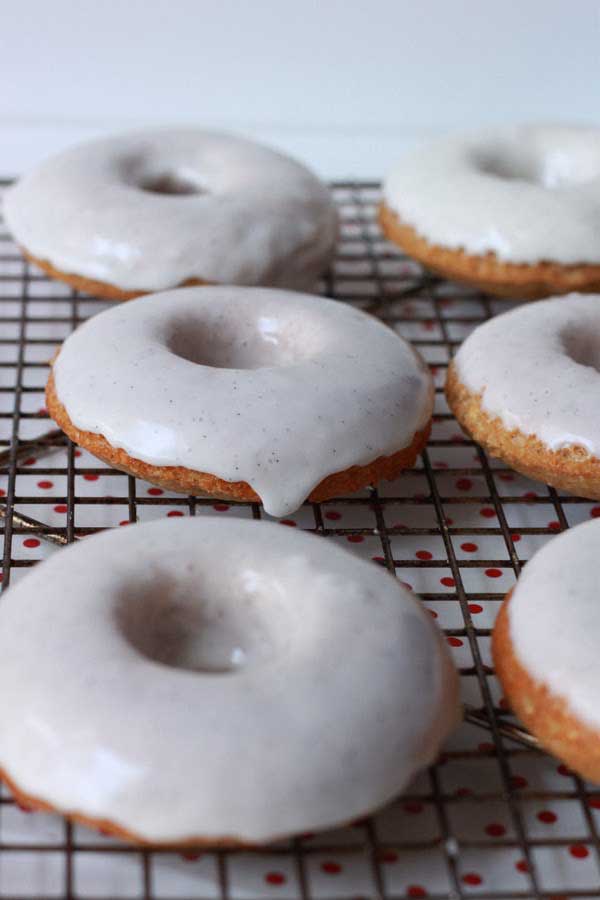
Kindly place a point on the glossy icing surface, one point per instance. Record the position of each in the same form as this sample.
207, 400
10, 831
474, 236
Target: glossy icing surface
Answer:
170, 676
149, 210
537, 368
526, 193
554, 618
278, 389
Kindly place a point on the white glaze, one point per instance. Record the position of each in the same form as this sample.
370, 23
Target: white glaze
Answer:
538, 369
525, 193
554, 618
343, 687
261, 217
312, 386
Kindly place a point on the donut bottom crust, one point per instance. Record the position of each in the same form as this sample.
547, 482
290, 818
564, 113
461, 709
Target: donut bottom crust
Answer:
524, 281
572, 468
546, 715
101, 289
189, 481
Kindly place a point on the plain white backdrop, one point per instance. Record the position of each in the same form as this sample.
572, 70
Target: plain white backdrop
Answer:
344, 85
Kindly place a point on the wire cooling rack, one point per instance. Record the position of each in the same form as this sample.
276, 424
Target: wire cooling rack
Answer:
495, 817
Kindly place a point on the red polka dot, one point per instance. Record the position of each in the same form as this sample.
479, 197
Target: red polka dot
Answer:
521, 866
506, 476
486, 747
594, 802
332, 515
155, 491
30, 462
579, 851
220, 507
424, 554
22, 806
440, 464
388, 856
124, 522
432, 613
289, 522
77, 453
405, 584
455, 642
331, 868
448, 520
547, 817
562, 770
475, 608
31, 543
415, 890
355, 538
487, 512
530, 495
42, 411
464, 484
275, 878
413, 807
554, 526
515, 538
595, 512
91, 477
493, 573
191, 855
495, 829
378, 559
45, 485
518, 782
2, 492
468, 547
463, 792
174, 513
61, 508
472, 878
447, 581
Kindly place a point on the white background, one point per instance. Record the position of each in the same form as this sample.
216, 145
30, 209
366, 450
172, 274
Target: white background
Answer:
344, 85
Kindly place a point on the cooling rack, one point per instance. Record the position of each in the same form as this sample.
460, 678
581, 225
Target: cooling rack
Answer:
495, 818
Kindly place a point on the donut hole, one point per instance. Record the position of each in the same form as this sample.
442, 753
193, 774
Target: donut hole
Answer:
558, 169
168, 623
581, 343
244, 344
174, 183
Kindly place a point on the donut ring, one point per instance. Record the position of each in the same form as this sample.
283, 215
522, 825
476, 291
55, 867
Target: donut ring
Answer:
151, 210
513, 211
211, 664
545, 648
525, 386
244, 394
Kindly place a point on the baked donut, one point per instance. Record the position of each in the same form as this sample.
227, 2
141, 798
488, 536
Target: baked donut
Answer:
526, 385
151, 210
244, 393
210, 665
513, 211
545, 647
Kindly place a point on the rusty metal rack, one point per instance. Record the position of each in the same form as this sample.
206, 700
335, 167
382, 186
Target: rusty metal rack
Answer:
459, 528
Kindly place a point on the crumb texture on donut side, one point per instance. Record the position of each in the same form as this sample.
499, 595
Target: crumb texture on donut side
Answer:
488, 273
572, 468
99, 289
189, 481
546, 715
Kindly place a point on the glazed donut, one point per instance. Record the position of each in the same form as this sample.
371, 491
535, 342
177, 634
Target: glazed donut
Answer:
545, 647
525, 385
152, 210
512, 211
209, 665
244, 393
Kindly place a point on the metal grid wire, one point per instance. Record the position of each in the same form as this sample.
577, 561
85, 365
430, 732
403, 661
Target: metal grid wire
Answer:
435, 316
